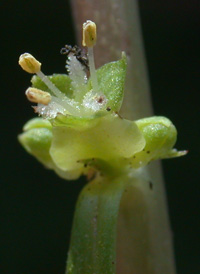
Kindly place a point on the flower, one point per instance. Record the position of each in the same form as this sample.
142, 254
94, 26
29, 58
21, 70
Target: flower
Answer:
80, 131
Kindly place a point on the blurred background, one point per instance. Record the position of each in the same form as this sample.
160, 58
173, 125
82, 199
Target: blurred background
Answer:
37, 206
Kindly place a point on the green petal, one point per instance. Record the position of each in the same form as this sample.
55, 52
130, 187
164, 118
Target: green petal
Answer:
61, 81
111, 79
109, 139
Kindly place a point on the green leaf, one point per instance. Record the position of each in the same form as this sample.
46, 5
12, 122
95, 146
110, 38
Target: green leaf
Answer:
111, 80
61, 81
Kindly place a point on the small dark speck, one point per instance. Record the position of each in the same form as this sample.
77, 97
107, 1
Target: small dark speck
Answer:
148, 151
150, 185
108, 109
100, 100
85, 165
113, 262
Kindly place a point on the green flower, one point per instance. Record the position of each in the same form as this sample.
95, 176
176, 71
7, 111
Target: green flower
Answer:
80, 132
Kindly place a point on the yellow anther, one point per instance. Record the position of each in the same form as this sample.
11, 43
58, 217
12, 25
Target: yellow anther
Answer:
38, 96
29, 63
89, 34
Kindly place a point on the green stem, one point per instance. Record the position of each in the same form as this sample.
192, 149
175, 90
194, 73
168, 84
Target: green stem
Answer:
104, 205
113, 228
93, 240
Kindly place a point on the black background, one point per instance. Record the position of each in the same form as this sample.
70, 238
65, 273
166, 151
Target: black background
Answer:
37, 206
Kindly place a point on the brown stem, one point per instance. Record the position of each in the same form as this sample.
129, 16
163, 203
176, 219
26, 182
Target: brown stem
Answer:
147, 235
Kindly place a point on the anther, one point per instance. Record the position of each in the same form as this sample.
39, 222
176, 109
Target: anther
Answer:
38, 96
89, 34
29, 63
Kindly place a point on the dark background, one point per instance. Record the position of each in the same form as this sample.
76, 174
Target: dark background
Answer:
37, 206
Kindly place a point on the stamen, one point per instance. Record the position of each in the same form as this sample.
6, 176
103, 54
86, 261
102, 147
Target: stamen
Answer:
93, 74
38, 96
89, 40
31, 65
50, 85
64, 101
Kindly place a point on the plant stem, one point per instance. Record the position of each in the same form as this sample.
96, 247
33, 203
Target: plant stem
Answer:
143, 235
93, 240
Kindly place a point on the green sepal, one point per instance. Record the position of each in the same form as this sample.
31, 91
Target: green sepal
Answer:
61, 81
111, 80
